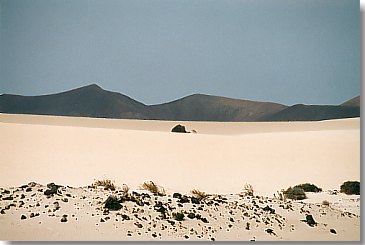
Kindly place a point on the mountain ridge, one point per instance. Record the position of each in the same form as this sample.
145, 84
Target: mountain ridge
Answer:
93, 101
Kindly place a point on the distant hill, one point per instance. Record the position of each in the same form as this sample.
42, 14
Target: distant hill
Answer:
352, 102
93, 101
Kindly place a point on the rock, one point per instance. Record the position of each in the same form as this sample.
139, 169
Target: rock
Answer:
183, 199
333, 231
31, 215
125, 217
191, 215
102, 220
22, 196
179, 129
64, 199
23, 216
310, 221
64, 219
176, 195
212, 239
195, 200
29, 189
186, 237
52, 189
204, 220
270, 231
268, 209
9, 198
138, 225
2, 211
179, 216
171, 222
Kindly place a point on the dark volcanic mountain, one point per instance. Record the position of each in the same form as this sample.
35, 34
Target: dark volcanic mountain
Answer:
93, 101
88, 101
200, 107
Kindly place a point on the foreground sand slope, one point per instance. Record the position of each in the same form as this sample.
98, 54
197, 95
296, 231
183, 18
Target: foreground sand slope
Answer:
267, 155
80, 214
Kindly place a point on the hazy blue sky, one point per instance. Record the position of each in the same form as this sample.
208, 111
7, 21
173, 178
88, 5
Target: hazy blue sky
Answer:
286, 51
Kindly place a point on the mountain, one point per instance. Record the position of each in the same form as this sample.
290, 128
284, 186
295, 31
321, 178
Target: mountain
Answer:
300, 112
93, 101
88, 101
352, 102
200, 107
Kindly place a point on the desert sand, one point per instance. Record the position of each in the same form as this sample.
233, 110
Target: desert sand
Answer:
219, 159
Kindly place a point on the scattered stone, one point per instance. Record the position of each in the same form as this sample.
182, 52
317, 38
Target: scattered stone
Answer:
9, 198
102, 220
191, 215
268, 209
195, 200
179, 216
176, 195
204, 220
64, 199
29, 189
64, 219
310, 221
138, 225
23, 216
186, 237
333, 231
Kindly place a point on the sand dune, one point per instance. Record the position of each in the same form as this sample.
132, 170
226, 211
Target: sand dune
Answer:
219, 159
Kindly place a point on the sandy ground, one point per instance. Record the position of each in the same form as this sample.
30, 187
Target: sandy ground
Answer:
219, 158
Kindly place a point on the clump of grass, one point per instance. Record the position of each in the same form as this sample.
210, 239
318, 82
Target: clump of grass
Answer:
153, 188
350, 188
106, 183
248, 190
280, 195
200, 195
295, 193
325, 203
125, 190
307, 187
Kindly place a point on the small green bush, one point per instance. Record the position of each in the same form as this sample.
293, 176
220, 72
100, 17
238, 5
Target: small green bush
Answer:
350, 188
309, 187
295, 193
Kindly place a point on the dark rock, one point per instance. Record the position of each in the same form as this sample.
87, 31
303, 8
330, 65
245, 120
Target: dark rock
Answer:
2, 211
64, 219
183, 199
102, 220
64, 199
138, 225
171, 222
268, 209
6, 192
195, 200
31, 215
176, 195
23, 216
191, 215
186, 237
154, 235
179, 129
179, 216
333, 231
212, 239
204, 220
9, 198
52, 189
231, 219
22, 196
125, 217
310, 220
28, 189
270, 231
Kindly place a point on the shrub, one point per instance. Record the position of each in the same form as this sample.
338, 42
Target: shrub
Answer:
125, 189
325, 203
107, 183
295, 193
350, 188
200, 195
248, 190
309, 187
112, 203
153, 188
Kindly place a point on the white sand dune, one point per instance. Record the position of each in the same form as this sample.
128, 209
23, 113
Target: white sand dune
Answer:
221, 157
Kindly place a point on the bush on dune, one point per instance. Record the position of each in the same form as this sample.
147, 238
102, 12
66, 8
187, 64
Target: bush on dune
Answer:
295, 193
153, 188
350, 188
307, 187
106, 183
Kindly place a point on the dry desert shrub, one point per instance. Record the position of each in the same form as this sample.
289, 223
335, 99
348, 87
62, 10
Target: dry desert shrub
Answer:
295, 193
248, 190
106, 183
325, 203
200, 195
125, 190
153, 188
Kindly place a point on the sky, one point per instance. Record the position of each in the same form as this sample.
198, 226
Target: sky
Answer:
155, 51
